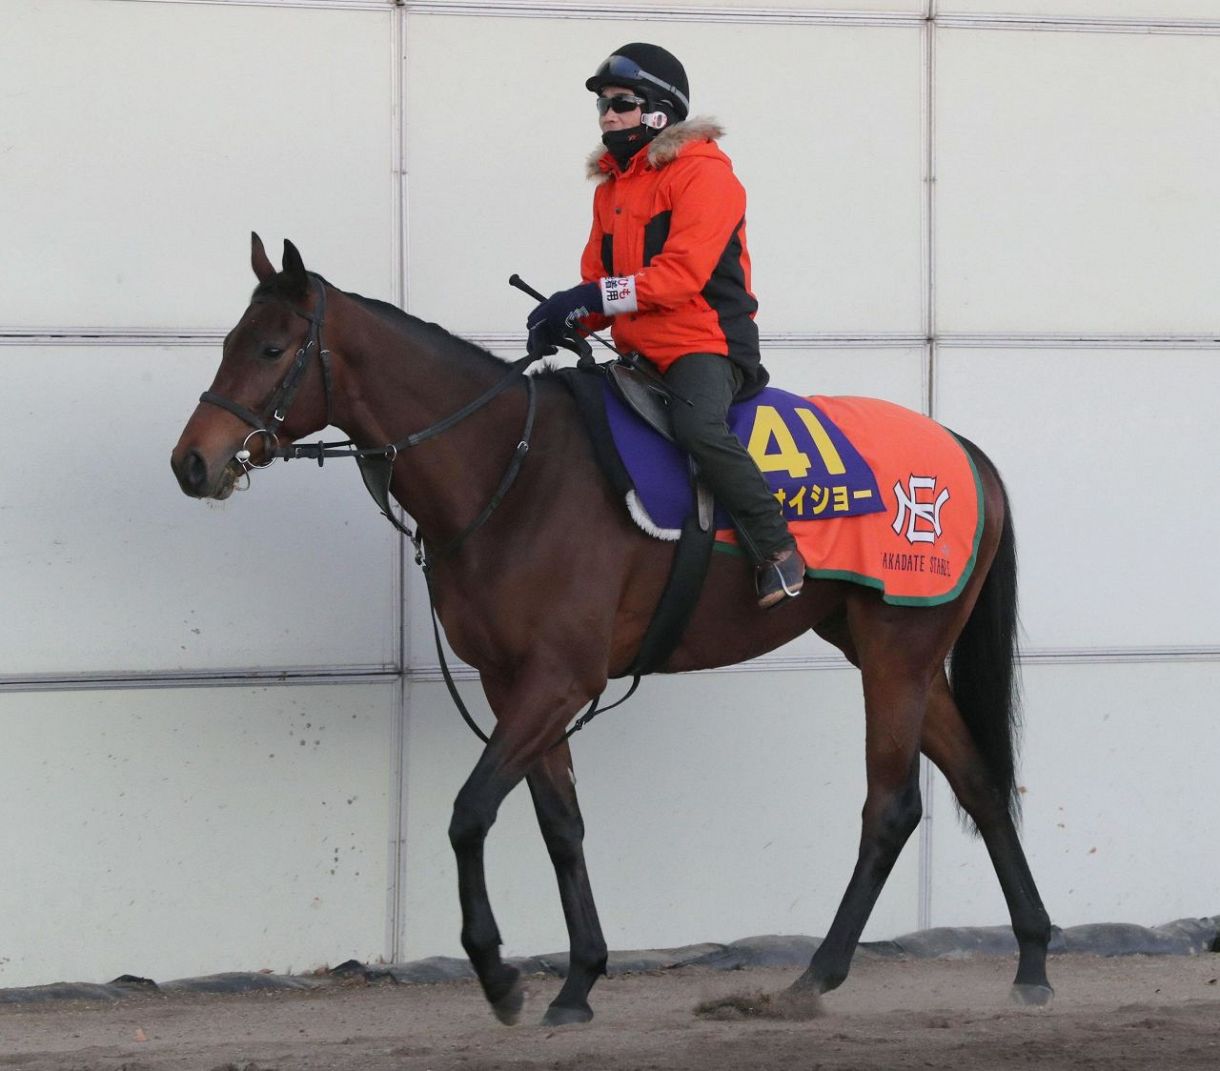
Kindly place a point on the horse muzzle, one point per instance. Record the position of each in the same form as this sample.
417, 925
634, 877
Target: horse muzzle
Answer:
199, 479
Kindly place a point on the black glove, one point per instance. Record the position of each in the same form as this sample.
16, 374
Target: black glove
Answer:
553, 323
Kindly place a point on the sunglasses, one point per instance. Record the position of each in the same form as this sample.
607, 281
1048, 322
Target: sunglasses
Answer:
620, 104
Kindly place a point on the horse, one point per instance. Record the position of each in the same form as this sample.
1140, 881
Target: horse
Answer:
546, 627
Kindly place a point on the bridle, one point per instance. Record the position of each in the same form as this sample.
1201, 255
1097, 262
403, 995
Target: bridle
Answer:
276, 410
376, 462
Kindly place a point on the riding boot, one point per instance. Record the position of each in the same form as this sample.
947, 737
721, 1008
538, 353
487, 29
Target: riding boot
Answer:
780, 576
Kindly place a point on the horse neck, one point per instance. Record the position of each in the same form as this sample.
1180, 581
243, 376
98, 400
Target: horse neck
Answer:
396, 380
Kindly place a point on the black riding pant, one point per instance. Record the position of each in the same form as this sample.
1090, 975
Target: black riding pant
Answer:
711, 381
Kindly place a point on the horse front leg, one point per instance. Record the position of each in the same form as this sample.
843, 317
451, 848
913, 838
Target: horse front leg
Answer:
552, 784
531, 716
894, 708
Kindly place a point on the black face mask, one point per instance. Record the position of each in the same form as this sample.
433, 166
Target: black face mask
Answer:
624, 144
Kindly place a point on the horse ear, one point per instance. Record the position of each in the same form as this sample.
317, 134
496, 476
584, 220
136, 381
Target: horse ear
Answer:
258, 259
293, 264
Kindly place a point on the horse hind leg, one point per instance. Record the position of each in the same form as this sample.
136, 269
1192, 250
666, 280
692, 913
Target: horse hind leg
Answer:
553, 788
894, 705
948, 743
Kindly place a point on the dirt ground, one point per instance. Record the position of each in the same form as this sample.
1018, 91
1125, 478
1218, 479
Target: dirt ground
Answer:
1112, 1014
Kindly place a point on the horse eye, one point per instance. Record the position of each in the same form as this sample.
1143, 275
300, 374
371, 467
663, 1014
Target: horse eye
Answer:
272, 351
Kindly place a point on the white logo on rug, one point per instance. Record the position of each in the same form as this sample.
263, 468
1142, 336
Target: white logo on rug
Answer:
920, 513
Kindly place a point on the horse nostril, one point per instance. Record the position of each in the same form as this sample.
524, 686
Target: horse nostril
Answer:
193, 474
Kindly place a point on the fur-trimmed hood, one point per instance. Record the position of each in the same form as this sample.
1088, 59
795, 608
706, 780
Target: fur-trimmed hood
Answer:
664, 148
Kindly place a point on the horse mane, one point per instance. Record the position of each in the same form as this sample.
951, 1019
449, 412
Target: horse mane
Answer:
288, 287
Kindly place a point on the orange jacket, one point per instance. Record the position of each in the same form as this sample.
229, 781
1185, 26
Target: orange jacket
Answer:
668, 245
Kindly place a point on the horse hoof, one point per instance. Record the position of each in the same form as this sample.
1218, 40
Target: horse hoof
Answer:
508, 1008
561, 1016
1032, 996
812, 985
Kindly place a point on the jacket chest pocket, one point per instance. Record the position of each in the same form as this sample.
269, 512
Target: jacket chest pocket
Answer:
634, 237
656, 231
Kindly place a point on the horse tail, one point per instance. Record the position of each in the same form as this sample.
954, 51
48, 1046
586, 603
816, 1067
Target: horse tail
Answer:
983, 670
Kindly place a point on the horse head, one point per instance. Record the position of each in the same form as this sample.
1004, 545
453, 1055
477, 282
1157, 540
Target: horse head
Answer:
271, 383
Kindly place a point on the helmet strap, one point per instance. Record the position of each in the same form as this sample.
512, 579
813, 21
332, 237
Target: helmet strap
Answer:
655, 121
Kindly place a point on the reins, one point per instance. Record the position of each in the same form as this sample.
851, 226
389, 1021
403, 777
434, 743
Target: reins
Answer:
377, 462
376, 465
319, 451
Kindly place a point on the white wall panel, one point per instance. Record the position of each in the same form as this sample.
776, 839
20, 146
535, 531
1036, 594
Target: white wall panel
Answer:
913, 7
176, 832
743, 8
1109, 457
895, 374
1074, 192
107, 567
1150, 10
717, 806
143, 142
1120, 798
834, 232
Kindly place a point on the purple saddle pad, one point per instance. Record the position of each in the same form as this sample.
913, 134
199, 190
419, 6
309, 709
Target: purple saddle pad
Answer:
812, 468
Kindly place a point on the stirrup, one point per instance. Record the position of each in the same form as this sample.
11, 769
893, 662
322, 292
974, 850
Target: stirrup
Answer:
776, 580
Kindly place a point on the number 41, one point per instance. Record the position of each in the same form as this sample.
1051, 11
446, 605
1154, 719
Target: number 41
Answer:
769, 428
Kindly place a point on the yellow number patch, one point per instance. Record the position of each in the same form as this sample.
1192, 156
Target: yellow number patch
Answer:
774, 449
769, 428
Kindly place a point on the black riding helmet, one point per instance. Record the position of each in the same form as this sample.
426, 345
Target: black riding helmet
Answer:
654, 74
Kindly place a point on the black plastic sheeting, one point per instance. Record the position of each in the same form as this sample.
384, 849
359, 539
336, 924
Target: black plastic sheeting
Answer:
1185, 937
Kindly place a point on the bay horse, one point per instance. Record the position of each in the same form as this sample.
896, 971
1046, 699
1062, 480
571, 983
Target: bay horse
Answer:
545, 625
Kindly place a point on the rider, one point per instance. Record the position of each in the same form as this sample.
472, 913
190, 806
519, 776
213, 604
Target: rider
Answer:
666, 264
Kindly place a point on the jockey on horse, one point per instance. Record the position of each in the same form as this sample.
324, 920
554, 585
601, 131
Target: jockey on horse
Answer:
666, 265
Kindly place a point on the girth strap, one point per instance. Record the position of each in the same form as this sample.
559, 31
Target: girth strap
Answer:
682, 587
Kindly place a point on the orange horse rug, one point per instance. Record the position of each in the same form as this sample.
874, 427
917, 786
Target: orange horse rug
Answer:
873, 493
